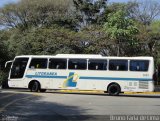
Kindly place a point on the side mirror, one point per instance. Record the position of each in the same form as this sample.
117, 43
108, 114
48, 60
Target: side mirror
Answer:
8, 63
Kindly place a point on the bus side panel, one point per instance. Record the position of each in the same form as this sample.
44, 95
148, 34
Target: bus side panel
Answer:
92, 79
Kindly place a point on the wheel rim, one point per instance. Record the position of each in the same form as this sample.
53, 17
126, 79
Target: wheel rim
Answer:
114, 90
35, 87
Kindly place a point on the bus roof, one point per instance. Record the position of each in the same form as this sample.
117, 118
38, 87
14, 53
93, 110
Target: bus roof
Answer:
96, 56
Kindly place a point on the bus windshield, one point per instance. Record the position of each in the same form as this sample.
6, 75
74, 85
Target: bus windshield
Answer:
18, 68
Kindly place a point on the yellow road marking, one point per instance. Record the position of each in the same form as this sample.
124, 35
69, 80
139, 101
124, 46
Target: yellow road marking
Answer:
141, 92
100, 92
36, 94
12, 102
82, 91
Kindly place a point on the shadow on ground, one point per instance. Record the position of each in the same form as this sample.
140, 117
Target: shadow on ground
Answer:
29, 107
140, 95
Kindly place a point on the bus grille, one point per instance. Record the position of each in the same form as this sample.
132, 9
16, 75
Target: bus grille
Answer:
143, 84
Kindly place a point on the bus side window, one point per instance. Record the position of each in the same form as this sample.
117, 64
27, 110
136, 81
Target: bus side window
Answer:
57, 66
37, 66
56, 63
38, 63
75, 66
98, 64
117, 68
138, 68
97, 67
118, 65
32, 67
139, 65
79, 64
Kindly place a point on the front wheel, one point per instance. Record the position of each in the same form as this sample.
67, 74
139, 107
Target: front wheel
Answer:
35, 87
114, 89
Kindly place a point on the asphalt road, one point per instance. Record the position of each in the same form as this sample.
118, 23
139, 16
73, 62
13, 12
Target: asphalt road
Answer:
22, 105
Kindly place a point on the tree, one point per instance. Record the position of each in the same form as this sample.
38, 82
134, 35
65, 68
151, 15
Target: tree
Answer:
4, 35
95, 40
115, 6
121, 29
45, 41
4, 55
89, 11
153, 41
145, 11
37, 13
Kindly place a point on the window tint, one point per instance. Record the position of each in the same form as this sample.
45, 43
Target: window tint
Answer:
139, 65
19, 67
118, 65
97, 64
40, 63
80, 64
57, 63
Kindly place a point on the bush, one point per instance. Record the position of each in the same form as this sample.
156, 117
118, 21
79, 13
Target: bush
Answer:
3, 79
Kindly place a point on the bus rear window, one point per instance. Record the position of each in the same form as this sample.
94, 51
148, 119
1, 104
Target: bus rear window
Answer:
79, 64
139, 65
38, 63
118, 65
97, 64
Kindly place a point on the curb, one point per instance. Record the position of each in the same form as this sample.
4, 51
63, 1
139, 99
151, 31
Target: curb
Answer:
102, 92
141, 92
81, 91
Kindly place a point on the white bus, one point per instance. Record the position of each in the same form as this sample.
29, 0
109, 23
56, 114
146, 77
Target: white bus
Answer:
82, 72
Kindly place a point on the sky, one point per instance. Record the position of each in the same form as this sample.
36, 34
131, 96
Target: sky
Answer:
4, 2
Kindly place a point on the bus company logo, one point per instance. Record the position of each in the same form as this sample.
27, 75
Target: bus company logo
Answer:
71, 81
46, 73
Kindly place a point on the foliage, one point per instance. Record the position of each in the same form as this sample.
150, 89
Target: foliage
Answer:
4, 55
42, 41
37, 13
49, 27
145, 11
3, 77
89, 11
121, 28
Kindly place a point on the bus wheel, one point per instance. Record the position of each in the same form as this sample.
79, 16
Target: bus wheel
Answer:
35, 86
114, 89
42, 90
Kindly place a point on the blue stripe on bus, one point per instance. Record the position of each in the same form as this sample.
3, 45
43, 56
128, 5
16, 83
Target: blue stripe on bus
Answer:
116, 78
35, 76
93, 78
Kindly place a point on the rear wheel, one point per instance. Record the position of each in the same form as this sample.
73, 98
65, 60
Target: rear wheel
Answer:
114, 89
35, 86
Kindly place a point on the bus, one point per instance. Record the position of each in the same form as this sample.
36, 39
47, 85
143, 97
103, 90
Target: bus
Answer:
82, 72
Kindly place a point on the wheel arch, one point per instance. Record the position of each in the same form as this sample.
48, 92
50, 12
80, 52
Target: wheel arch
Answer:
32, 82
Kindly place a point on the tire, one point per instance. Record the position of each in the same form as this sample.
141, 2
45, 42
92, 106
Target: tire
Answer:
114, 89
35, 87
42, 90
